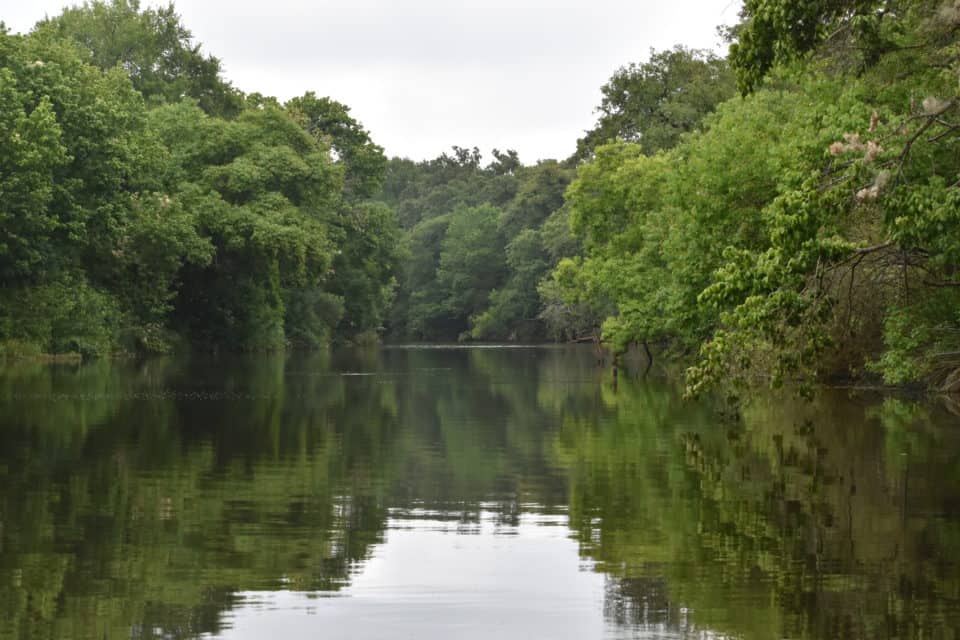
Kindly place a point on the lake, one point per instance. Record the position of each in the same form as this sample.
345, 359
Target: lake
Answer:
465, 493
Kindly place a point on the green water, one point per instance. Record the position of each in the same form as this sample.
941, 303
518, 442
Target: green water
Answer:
464, 493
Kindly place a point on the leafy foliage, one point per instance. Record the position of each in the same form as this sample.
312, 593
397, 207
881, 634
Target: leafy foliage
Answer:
779, 31
478, 240
655, 102
809, 230
144, 201
331, 123
151, 45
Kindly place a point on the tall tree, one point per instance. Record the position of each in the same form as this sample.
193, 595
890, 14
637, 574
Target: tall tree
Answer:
264, 191
91, 243
654, 103
152, 46
472, 261
331, 121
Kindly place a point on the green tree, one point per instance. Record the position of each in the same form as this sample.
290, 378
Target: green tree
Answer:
264, 191
657, 229
92, 248
363, 273
513, 312
420, 306
426, 197
151, 45
780, 31
860, 272
31, 153
331, 122
539, 194
514, 308
655, 102
365, 267
471, 261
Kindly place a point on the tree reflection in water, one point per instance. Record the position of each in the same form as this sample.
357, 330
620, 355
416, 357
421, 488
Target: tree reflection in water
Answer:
150, 499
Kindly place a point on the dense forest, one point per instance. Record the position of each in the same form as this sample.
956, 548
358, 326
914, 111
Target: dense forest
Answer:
790, 213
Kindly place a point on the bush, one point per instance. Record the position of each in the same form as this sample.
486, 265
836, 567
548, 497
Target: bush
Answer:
67, 316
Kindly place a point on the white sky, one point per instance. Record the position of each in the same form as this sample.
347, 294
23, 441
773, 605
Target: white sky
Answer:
422, 75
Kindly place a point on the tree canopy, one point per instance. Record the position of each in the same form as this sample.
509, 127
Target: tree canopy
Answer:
655, 102
146, 203
151, 45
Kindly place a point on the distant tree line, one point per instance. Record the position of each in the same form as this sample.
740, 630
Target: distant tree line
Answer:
480, 241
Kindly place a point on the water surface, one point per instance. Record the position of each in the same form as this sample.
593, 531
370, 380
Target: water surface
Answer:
464, 493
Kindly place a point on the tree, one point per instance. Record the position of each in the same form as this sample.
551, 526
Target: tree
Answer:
420, 309
505, 162
658, 230
92, 245
330, 121
780, 31
31, 153
654, 103
363, 273
861, 268
264, 192
479, 283
134, 212
365, 267
514, 308
471, 261
540, 194
151, 45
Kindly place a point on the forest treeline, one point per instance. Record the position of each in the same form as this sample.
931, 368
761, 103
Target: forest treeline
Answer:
788, 213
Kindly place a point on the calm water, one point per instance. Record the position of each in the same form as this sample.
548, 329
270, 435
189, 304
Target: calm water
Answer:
464, 493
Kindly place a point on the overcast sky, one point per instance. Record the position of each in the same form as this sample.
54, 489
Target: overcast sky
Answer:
423, 75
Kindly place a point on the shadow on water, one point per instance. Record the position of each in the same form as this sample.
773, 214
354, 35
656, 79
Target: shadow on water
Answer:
154, 499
